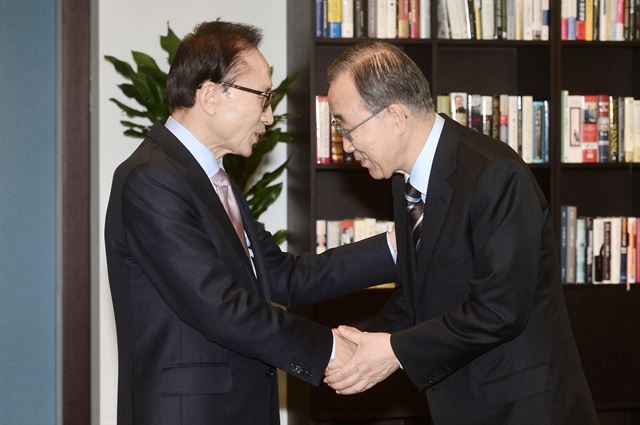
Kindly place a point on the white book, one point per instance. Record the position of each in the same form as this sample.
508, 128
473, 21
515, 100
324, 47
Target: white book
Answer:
323, 130
321, 236
347, 19
527, 129
616, 243
488, 16
359, 229
455, 24
544, 34
598, 249
369, 227
511, 20
628, 129
392, 18
518, 19
602, 33
381, 18
613, 13
504, 118
425, 19
513, 123
443, 31
527, 20
636, 130
333, 233
571, 125
536, 26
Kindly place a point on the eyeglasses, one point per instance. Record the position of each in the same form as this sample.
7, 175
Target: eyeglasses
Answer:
267, 96
347, 132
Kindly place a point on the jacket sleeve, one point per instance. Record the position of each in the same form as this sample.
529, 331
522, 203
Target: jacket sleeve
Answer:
506, 218
165, 235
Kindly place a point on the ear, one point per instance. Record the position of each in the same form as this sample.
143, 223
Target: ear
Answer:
207, 97
399, 115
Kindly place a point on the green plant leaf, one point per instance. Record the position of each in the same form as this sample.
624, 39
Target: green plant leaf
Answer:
122, 67
170, 43
280, 236
268, 178
135, 134
282, 89
263, 198
131, 112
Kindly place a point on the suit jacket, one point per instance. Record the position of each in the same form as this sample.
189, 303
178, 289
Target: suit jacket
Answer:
198, 339
480, 320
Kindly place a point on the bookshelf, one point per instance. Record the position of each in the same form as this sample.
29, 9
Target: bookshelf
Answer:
604, 317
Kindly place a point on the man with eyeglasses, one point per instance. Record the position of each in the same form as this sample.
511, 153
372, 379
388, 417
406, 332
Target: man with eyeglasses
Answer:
478, 320
193, 275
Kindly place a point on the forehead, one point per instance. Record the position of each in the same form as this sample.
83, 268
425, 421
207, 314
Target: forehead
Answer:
256, 67
344, 100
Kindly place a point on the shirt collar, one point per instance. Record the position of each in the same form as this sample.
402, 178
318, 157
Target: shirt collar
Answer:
422, 168
204, 156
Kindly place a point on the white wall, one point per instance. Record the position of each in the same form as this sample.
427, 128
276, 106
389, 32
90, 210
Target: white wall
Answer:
126, 25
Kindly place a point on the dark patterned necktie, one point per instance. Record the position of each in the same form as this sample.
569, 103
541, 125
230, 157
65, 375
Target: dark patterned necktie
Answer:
415, 209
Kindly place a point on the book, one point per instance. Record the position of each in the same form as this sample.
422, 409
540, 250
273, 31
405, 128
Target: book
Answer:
571, 243
598, 250
323, 129
581, 246
334, 18
571, 128
459, 107
321, 236
588, 134
603, 123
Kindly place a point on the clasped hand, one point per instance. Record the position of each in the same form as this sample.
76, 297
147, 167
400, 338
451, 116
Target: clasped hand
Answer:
362, 360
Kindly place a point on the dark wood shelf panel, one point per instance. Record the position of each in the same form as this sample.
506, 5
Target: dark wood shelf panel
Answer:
600, 166
493, 43
340, 167
612, 44
349, 41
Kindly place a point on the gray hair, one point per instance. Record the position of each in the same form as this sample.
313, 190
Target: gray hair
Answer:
383, 75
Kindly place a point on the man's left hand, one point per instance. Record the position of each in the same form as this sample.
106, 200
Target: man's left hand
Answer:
373, 362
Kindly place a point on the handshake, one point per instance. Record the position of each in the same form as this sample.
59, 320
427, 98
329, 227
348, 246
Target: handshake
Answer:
362, 360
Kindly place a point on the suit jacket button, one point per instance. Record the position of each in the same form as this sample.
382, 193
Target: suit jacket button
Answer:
270, 372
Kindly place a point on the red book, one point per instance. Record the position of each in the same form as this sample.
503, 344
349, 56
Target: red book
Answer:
414, 18
589, 132
403, 18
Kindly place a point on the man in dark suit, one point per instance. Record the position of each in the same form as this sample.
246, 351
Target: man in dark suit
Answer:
192, 274
478, 320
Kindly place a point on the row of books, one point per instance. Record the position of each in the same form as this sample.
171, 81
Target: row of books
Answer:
600, 128
519, 121
329, 148
599, 250
603, 20
373, 18
493, 19
335, 233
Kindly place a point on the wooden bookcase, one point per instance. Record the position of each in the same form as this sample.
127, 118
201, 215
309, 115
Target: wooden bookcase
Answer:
605, 318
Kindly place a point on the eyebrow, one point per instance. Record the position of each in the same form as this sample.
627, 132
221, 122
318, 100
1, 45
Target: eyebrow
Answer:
337, 117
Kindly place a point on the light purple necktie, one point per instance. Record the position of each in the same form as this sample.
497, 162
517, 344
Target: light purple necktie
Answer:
222, 185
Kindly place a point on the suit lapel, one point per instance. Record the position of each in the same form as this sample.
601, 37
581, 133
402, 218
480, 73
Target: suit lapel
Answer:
200, 182
250, 226
438, 198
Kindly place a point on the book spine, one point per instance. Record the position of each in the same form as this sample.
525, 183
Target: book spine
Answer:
334, 19
403, 18
360, 18
603, 127
563, 243
581, 237
320, 19
414, 18
613, 133
571, 243
347, 19
323, 136
588, 278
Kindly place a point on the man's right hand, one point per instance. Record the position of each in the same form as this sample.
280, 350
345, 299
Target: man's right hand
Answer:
345, 349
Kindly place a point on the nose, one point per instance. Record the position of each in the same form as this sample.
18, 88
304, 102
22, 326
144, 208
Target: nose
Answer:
267, 116
347, 146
